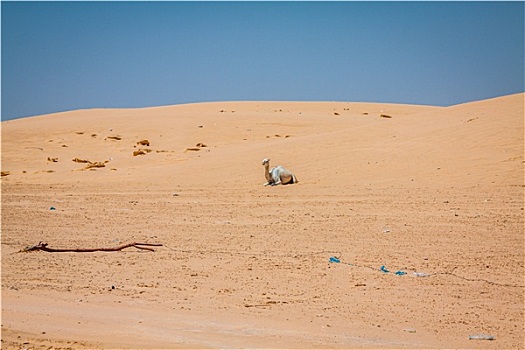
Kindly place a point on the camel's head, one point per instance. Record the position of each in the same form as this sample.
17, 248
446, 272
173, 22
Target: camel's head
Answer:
265, 161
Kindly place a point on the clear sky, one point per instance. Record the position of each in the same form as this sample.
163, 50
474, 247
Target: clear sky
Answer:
59, 56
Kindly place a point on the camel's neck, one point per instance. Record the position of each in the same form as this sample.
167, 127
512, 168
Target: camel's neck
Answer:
267, 172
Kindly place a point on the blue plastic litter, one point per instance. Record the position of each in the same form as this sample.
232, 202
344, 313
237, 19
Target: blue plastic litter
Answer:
333, 259
52, 208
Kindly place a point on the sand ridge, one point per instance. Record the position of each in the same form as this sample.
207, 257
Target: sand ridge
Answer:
435, 190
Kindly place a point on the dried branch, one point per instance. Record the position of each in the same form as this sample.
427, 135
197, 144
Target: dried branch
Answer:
43, 247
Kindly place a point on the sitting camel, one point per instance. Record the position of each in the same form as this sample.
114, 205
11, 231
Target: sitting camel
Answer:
278, 175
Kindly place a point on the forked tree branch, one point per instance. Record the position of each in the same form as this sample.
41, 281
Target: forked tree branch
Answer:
43, 247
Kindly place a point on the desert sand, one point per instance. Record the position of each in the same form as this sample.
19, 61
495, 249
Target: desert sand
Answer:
434, 194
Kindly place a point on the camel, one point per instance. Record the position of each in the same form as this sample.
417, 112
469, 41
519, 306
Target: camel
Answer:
278, 175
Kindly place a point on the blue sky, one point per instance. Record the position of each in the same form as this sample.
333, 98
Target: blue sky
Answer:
59, 56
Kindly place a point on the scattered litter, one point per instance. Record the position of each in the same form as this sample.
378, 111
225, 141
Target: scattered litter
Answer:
52, 208
386, 230
410, 330
5, 173
192, 149
78, 160
481, 337
399, 272
200, 144
421, 274
54, 160
385, 116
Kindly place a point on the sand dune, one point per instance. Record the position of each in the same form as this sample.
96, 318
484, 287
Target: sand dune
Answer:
437, 190
481, 134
